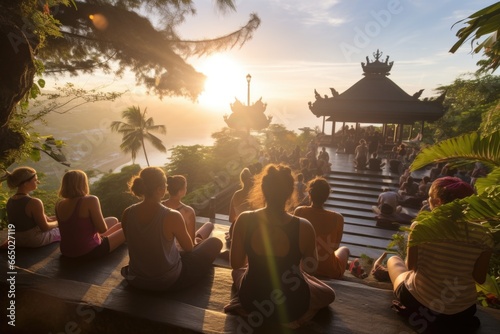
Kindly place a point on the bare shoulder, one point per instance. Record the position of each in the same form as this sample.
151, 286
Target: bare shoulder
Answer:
35, 203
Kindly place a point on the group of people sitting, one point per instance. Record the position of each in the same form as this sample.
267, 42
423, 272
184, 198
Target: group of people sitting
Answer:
279, 253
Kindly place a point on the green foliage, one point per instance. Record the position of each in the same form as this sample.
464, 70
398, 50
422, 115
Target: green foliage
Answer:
491, 121
479, 211
462, 150
112, 190
194, 162
469, 100
399, 243
276, 135
4, 196
480, 24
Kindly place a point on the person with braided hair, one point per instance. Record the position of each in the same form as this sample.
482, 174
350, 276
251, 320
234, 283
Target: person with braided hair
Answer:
436, 287
33, 227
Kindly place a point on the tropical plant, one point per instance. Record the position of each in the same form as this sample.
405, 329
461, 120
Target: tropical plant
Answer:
481, 210
469, 100
136, 130
478, 25
114, 202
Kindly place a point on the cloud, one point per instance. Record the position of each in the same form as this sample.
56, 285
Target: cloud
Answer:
312, 12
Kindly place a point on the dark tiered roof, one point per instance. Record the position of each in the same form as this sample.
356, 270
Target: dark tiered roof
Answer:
376, 99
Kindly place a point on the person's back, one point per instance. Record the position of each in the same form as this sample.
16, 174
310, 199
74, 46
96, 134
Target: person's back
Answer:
151, 230
329, 228
456, 256
33, 227
259, 283
78, 233
389, 197
154, 260
273, 251
437, 282
16, 214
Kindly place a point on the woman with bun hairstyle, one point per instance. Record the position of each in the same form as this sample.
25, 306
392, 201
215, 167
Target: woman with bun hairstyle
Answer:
273, 254
177, 189
329, 228
151, 230
33, 227
85, 233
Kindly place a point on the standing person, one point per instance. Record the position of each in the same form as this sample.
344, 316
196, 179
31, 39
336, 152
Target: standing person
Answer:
329, 227
177, 189
437, 284
361, 155
151, 230
85, 233
239, 200
275, 251
33, 227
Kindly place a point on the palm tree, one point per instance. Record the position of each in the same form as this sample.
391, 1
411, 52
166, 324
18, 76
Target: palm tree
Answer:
481, 210
136, 129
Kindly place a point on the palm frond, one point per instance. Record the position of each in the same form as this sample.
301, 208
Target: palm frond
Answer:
156, 142
492, 179
462, 150
481, 211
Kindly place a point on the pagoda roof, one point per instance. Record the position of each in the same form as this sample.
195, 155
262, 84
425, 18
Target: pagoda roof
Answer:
376, 99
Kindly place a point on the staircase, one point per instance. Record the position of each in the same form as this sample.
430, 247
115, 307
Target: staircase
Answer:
353, 195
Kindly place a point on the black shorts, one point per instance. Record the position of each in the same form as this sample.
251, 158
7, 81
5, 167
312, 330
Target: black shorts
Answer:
421, 316
98, 251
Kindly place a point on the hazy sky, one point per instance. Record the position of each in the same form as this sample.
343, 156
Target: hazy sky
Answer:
305, 45
300, 46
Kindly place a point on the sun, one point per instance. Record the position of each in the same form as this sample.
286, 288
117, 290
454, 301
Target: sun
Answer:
226, 79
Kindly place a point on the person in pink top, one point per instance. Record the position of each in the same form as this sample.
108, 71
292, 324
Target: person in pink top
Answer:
85, 233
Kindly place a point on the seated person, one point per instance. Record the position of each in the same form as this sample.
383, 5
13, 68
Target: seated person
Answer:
85, 233
329, 227
177, 189
239, 200
437, 282
151, 230
375, 163
388, 218
424, 186
33, 227
273, 251
409, 187
389, 197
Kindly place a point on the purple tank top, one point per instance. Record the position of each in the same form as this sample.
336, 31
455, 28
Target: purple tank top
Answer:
78, 235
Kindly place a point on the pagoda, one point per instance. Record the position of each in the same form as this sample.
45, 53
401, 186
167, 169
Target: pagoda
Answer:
248, 117
376, 99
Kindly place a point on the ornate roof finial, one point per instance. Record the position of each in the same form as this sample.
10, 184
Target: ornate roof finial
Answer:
377, 67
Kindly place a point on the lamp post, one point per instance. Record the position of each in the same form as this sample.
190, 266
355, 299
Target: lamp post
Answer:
249, 77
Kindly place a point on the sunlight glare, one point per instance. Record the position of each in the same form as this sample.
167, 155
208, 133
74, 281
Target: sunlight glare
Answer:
226, 79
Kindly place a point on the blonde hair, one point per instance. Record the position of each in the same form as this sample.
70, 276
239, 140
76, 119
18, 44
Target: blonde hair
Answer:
19, 176
74, 184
